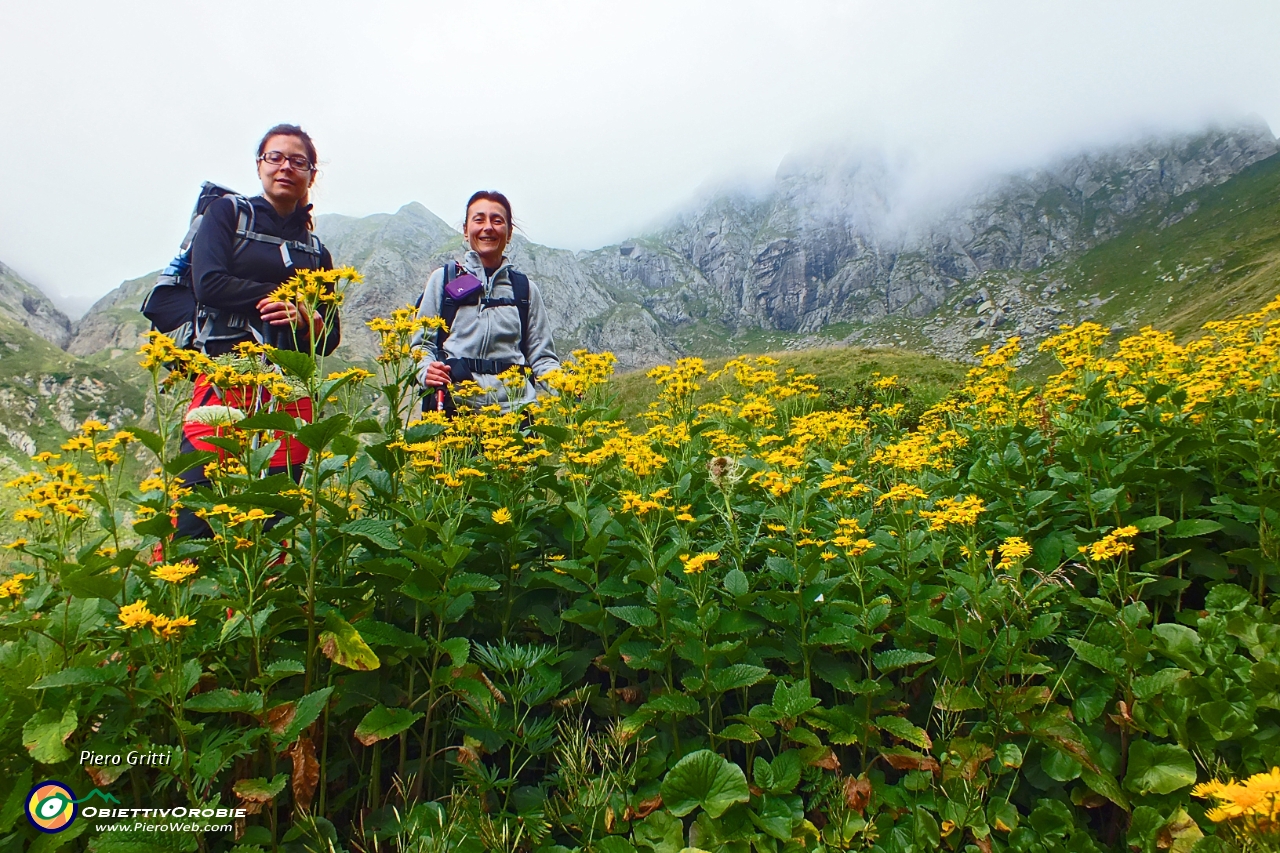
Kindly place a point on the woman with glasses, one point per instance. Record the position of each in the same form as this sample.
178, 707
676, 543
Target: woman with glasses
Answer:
495, 315
244, 249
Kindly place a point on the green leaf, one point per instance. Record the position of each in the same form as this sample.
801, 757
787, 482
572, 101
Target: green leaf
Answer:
613, 844
736, 676
458, 649
45, 734
672, 703
1152, 522
150, 440
739, 732
641, 617
660, 832
792, 700
1151, 686
260, 790
903, 729
958, 697
375, 531
342, 644
13, 803
1159, 768
1096, 656
1180, 644
269, 422
318, 435
92, 585
383, 722
1193, 527
305, 711
299, 364
735, 582
888, 661
223, 700
704, 779
185, 462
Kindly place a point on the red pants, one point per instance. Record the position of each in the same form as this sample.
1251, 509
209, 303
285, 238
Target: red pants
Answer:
291, 453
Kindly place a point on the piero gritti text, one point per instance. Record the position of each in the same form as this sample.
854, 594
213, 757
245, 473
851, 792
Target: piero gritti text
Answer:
133, 758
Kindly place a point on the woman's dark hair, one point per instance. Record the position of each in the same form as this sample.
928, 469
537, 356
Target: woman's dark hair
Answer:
310, 147
495, 196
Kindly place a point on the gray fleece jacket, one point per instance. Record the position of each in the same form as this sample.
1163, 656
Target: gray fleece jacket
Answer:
493, 332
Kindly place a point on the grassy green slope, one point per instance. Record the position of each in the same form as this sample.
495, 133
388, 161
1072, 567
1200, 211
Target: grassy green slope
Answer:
1221, 259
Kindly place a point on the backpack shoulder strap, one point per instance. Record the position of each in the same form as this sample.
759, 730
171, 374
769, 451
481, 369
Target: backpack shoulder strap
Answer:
448, 308
520, 287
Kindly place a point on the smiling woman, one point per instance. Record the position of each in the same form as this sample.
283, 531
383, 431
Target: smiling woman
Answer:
244, 250
497, 333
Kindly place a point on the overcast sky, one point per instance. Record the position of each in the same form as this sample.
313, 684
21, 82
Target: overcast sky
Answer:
597, 118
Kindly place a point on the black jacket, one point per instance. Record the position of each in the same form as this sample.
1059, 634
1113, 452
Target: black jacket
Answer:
234, 278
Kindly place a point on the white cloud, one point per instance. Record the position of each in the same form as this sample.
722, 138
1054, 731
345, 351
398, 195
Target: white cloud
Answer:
596, 118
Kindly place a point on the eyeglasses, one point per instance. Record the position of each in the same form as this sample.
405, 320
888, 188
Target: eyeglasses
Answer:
277, 158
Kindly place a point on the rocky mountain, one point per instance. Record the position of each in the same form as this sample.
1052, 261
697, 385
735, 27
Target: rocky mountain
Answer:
835, 251
24, 304
828, 245
45, 392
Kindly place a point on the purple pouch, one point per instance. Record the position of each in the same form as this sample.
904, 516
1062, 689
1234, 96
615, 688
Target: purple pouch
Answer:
464, 289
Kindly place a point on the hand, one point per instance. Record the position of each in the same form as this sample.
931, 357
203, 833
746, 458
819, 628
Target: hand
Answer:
287, 314
438, 375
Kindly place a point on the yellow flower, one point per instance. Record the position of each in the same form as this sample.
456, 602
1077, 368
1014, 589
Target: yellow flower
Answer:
1256, 800
902, 492
1014, 548
1111, 547
697, 565
12, 588
135, 615
174, 572
502, 515
17, 543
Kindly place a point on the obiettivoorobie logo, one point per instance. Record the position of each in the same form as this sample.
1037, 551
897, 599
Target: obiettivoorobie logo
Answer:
51, 805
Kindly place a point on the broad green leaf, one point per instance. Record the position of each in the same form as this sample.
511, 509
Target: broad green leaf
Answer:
1105, 784
613, 844
704, 779
225, 701
318, 435
1180, 644
774, 817
736, 676
660, 832
299, 364
377, 532
1097, 656
45, 734
735, 582
82, 675
739, 732
342, 644
260, 790
792, 700
785, 768
958, 697
269, 422
1159, 768
458, 649
904, 729
1193, 527
305, 712
383, 722
672, 703
891, 659
12, 807
185, 462
150, 440
1151, 686
1152, 522
641, 617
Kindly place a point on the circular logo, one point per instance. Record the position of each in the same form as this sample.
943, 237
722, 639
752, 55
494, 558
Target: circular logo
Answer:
51, 806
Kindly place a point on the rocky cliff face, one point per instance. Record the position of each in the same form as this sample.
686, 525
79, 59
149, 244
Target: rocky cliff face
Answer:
835, 242
828, 244
23, 303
